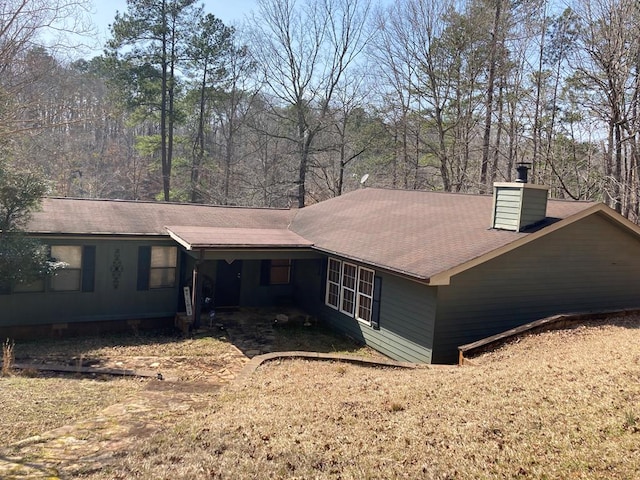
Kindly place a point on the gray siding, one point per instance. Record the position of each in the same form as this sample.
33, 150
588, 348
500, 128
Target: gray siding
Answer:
407, 313
253, 294
534, 206
106, 302
308, 286
518, 207
507, 208
587, 266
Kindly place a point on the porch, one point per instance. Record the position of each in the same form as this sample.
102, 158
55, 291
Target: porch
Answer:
259, 330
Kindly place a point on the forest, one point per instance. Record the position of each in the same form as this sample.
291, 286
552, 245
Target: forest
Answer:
309, 99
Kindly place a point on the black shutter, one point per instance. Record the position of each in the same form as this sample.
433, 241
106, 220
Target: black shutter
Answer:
144, 267
88, 268
265, 272
377, 293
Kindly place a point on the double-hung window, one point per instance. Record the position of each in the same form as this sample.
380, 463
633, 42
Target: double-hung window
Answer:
157, 267
350, 289
78, 273
333, 283
67, 279
348, 292
365, 294
163, 267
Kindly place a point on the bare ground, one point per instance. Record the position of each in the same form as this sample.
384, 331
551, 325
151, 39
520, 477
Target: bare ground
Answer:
557, 405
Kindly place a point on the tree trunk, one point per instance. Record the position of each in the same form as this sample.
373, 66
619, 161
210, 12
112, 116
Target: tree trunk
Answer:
489, 102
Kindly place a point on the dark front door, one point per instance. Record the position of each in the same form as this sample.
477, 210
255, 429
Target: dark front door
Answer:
228, 283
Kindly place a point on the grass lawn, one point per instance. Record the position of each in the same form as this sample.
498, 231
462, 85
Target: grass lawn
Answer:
557, 405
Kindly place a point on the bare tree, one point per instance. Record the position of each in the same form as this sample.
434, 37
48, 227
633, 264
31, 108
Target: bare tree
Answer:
26, 25
304, 50
607, 72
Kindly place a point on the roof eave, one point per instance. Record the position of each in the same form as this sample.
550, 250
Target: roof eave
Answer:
180, 240
396, 271
444, 277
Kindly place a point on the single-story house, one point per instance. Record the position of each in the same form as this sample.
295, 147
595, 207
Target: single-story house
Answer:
413, 274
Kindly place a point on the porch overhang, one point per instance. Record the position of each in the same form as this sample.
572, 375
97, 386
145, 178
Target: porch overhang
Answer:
219, 238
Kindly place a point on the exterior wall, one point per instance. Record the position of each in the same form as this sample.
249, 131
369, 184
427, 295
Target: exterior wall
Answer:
407, 313
109, 300
254, 294
590, 265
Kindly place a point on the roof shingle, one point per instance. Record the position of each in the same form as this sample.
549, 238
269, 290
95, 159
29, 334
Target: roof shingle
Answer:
123, 217
412, 232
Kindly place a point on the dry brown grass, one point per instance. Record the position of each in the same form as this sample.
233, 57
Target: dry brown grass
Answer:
154, 343
32, 405
59, 399
55, 400
558, 405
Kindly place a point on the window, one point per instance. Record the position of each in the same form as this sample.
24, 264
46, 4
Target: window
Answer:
365, 294
35, 286
354, 291
333, 283
348, 292
67, 279
157, 267
275, 272
162, 273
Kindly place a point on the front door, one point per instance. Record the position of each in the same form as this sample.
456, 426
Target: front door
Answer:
228, 284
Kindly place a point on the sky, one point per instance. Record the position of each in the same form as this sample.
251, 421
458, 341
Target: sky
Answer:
231, 12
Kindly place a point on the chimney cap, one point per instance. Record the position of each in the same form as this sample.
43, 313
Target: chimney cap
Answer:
523, 172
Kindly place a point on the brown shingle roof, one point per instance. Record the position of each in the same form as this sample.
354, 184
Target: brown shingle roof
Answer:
215, 237
417, 233
85, 216
413, 232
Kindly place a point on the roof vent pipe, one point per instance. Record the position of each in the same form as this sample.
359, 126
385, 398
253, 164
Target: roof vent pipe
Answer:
523, 172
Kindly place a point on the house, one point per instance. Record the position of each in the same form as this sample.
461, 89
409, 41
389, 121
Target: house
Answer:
413, 274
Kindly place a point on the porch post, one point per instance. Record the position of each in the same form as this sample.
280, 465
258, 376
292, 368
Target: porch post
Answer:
196, 295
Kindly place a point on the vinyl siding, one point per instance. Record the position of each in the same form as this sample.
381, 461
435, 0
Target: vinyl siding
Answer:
109, 300
507, 208
518, 207
587, 266
534, 207
253, 294
407, 313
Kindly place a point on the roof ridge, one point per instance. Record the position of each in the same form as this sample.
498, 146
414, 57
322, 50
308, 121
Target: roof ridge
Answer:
156, 202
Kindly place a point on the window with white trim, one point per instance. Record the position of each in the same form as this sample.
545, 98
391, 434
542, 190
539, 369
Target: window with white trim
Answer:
364, 304
350, 289
333, 283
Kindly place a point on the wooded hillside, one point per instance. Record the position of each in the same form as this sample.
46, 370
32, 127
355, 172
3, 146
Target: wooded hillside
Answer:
308, 96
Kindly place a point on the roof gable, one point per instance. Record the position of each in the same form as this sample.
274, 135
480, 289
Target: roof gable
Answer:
416, 233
